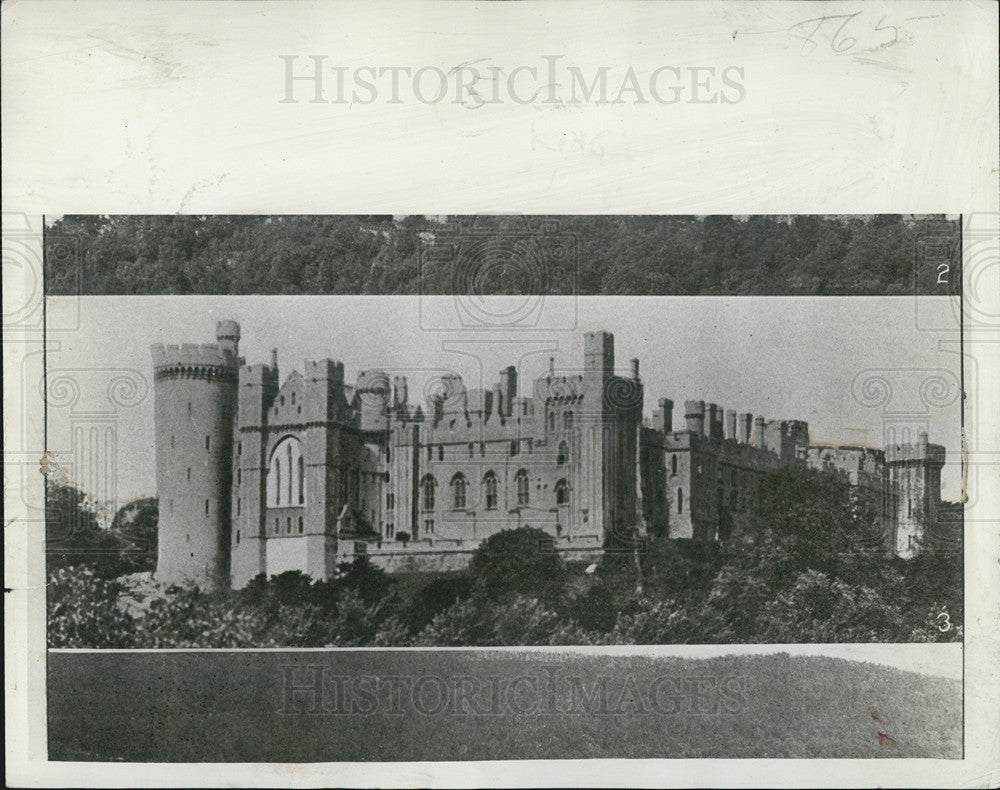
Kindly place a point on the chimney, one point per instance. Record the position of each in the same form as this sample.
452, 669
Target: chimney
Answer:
663, 418
745, 427
508, 390
399, 389
758, 432
711, 430
694, 415
731, 425
274, 358
635, 369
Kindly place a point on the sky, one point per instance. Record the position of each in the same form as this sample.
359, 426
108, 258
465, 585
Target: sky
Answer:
849, 366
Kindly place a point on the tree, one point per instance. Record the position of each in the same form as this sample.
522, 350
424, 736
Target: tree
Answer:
522, 560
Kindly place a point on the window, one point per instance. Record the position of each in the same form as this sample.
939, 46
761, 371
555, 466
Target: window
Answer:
531, 446
430, 452
458, 488
482, 449
440, 452
277, 528
563, 454
513, 447
562, 492
300, 525
208, 442
471, 449
390, 501
288, 526
552, 421
429, 526
680, 500
673, 465
239, 476
282, 400
567, 420
286, 483
237, 537
427, 487
523, 487
171, 442
239, 506
189, 474
189, 408
302, 481
293, 398
206, 507
490, 489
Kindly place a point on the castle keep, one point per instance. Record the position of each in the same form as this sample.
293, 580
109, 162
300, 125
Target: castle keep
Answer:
256, 475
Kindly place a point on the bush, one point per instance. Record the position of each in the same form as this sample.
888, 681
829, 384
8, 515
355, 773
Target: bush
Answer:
518, 561
436, 596
84, 611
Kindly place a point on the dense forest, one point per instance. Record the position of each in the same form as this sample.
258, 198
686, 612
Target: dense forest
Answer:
382, 254
808, 571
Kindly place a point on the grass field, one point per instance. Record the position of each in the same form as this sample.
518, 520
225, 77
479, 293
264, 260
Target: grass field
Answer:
220, 706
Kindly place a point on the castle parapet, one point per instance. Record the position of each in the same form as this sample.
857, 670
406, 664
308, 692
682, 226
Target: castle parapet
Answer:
915, 453
191, 360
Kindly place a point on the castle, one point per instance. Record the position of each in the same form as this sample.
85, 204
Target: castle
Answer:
256, 475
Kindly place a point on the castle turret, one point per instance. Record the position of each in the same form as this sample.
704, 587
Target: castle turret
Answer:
731, 424
195, 403
508, 390
694, 415
915, 478
663, 418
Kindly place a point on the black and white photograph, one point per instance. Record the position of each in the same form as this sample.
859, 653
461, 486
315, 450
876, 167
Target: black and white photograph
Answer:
485, 463
501, 394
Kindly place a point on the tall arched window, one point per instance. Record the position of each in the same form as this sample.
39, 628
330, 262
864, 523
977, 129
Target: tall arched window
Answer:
562, 492
302, 480
563, 454
567, 420
552, 421
427, 486
523, 487
458, 489
285, 474
673, 465
680, 500
490, 489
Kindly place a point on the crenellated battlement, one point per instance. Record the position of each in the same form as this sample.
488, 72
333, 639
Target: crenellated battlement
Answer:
922, 452
192, 360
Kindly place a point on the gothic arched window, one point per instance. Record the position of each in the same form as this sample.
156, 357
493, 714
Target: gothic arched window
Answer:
562, 492
427, 486
562, 456
567, 420
458, 488
286, 486
523, 487
490, 489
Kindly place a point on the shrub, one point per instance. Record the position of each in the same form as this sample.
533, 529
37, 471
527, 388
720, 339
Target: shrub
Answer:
518, 561
83, 611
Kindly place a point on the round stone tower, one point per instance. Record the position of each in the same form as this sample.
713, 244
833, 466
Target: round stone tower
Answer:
195, 403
